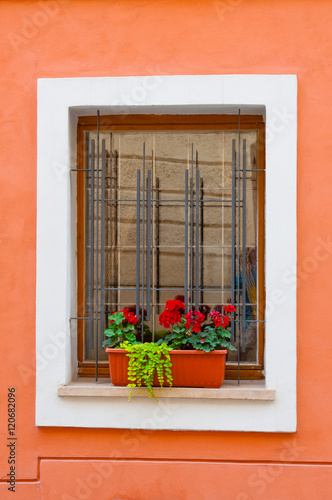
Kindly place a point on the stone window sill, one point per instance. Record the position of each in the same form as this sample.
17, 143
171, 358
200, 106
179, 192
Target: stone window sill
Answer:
247, 390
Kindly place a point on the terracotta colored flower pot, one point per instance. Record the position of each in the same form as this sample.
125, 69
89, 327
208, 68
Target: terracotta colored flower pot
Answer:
189, 368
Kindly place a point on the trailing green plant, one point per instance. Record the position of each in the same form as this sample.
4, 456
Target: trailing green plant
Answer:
146, 360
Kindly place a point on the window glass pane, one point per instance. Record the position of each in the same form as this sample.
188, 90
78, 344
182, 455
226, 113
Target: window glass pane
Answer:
219, 215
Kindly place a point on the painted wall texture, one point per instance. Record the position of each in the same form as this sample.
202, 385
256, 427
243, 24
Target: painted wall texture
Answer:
73, 38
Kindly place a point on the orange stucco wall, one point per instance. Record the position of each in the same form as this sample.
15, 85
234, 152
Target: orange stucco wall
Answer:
71, 38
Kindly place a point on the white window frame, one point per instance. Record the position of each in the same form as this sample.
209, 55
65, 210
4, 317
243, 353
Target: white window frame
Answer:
60, 102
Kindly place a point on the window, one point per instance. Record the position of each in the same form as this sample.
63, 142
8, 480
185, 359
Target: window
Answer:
60, 102
199, 236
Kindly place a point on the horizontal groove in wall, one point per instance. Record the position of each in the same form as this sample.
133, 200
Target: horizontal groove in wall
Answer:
169, 461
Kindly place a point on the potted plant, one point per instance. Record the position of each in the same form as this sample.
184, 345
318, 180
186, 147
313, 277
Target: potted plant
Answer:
192, 354
149, 363
199, 344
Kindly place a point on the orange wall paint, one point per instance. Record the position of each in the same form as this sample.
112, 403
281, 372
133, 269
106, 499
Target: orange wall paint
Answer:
127, 37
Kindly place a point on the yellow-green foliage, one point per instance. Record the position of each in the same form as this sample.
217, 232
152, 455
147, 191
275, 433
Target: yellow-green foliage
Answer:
144, 361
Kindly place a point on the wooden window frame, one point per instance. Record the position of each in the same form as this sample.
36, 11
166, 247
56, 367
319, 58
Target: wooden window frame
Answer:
170, 122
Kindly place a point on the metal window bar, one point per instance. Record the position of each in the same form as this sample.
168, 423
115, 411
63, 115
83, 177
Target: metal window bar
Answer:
138, 246
236, 320
244, 246
92, 251
148, 250
238, 291
114, 233
186, 224
102, 240
157, 242
143, 243
97, 253
201, 204
192, 228
233, 271
197, 242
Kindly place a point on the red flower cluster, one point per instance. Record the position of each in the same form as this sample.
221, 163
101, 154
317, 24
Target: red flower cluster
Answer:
229, 308
130, 317
132, 309
219, 319
172, 313
194, 320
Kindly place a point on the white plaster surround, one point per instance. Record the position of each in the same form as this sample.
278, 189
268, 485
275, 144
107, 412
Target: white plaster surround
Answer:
60, 101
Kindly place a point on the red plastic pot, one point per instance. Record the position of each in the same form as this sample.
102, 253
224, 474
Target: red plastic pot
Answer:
189, 368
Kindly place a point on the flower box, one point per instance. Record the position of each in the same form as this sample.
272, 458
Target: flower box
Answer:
189, 368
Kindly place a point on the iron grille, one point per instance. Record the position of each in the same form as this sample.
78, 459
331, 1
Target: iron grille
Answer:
109, 201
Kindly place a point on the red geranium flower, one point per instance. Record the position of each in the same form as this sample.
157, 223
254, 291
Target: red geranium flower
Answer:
194, 320
229, 308
164, 319
142, 313
172, 313
130, 317
219, 319
226, 321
